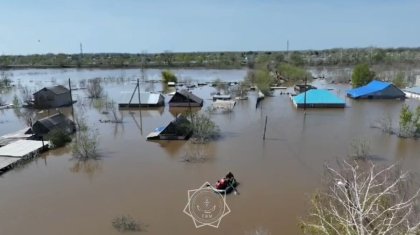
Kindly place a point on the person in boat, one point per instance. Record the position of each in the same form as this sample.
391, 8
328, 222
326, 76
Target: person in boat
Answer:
225, 182
222, 184
229, 176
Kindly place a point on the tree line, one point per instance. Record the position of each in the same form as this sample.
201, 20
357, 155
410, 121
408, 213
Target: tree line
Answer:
223, 60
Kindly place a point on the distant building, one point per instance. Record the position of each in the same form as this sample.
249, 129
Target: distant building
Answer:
147, 99
317, 98
376, 90
178, 129
57, 121
185, 98
222, 97
302, 88
413, 92
52, 97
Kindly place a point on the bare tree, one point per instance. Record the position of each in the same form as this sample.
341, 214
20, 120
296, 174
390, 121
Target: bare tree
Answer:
94, 88
385, 124
361, 198
85, 145
167, 57
26, 94
114, 114
360, 148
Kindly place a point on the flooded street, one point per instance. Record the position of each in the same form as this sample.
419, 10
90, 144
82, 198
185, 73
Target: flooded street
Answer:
54, 194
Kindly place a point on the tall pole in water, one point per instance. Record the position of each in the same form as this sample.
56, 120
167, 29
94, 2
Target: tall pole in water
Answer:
306, 89
71, 100
138, 89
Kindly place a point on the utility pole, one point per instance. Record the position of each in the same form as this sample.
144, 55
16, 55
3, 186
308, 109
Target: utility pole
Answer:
138, 89
71, 100
81, 50
265, 127
306, 89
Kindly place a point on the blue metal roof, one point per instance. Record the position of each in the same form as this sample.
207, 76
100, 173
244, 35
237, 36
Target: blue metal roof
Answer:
318, 96
372, 87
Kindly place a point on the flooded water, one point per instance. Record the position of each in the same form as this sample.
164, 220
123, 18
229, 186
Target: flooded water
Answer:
149, 180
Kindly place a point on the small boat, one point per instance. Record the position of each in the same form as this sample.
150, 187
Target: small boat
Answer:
226, 185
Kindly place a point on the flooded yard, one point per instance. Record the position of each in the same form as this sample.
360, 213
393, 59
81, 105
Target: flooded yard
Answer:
147, 180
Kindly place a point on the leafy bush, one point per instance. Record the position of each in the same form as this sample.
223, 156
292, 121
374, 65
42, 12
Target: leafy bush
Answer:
362, 75
58, 138
168, 76
204, 129
399, 81
409, 122
293, 73
264, 81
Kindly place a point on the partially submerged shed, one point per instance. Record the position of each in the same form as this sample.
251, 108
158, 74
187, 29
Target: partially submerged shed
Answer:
223, 105
318, 99
57, 121
221, 97
52, 97
178, 129
376, 90
185, 98
147, 99
302, 88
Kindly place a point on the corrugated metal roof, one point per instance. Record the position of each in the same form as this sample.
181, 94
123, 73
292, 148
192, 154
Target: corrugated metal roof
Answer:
21, 148
317, 96
190, 95
59, 89
7, 161
156, 132
415, 90
145, 98
57, 120
372, 87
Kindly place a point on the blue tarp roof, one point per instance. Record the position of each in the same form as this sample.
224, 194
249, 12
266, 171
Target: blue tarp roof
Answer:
318, 96
372, 87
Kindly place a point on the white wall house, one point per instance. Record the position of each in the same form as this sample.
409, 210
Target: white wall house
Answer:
413, 92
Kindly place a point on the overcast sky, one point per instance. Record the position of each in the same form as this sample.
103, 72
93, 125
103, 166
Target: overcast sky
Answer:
58, 26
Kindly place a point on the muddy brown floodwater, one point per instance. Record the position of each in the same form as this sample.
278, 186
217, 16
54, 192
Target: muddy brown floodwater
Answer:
149, 180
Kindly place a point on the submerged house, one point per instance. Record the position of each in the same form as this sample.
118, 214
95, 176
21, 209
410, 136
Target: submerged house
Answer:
147, 99
185, 98
318, 98
223, 105
52, 97
413, 92
302, 88
376, 90
178, 129
221, 97
54, 122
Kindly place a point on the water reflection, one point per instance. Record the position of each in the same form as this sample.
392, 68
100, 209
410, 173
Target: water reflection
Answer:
89, 167
195, 153
175, 111
172, 148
